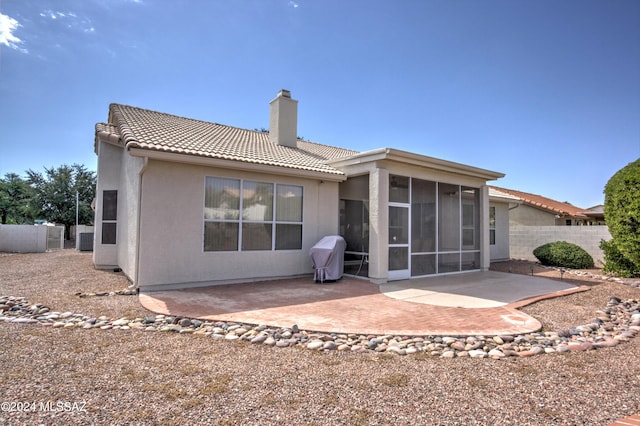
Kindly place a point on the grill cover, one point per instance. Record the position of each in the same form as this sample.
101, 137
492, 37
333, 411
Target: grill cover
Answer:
328, 258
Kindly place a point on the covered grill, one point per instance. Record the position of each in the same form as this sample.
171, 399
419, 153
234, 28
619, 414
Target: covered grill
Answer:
328, 258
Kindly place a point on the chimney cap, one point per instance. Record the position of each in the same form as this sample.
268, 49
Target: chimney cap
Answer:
284, 93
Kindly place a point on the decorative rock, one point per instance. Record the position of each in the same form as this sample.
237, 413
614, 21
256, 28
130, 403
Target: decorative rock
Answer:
477, 353
315, 345
579, 346
260, 338
458, 345
396, 349
618, 322
496, 353
329, 346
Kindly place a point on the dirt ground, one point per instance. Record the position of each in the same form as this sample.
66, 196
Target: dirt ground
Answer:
133, 377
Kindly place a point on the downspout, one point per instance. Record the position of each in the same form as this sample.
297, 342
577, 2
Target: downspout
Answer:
139, 215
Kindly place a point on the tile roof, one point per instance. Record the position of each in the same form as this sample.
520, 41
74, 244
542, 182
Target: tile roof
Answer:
145, 129
545, 203
495, 192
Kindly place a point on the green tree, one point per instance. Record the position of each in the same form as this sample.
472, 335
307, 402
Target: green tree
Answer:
55, 194
622, 213
16, 200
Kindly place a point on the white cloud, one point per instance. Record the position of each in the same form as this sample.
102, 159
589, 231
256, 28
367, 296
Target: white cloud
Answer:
293, 4
71, 19
8, 26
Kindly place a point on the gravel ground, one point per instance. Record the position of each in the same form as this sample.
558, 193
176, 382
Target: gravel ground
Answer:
131, 377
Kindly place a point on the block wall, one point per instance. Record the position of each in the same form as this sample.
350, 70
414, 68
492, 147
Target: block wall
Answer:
524, 239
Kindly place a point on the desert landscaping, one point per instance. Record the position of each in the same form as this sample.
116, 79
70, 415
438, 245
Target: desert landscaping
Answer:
71, 375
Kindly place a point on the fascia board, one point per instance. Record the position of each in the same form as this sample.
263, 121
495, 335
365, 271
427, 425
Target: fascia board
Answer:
419, 160
235, 165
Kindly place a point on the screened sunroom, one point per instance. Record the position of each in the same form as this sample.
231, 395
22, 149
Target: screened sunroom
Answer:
411, 217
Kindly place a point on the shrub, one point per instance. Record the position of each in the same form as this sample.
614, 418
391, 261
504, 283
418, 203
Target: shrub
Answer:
622, 213
616, 263
564, 255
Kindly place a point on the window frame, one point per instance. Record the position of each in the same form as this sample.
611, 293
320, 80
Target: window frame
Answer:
109, 226
240, 221
492, 225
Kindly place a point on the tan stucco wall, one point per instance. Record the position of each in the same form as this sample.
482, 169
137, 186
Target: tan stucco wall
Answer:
117, 170
172, 229
128, 200
525, 215
109, 159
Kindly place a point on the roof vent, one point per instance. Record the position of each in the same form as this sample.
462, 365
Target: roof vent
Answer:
283, 122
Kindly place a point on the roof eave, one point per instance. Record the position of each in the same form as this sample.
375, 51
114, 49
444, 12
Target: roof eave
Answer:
102, 135
236, 164
417, 160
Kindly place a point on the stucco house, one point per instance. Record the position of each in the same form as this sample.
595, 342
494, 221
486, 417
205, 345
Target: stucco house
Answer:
184, 203
537, 210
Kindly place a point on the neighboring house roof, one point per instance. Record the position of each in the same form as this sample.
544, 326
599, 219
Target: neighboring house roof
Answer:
556, 207
599, 209
496, 194
595, 212
134, 127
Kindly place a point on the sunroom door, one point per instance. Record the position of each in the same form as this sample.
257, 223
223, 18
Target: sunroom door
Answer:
398, 242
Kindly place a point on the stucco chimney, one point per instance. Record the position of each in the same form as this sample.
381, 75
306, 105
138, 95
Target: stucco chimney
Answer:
283, 123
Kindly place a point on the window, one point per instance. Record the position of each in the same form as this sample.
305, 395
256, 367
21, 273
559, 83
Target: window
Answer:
492, 225
470, 218
109, 216
239, 215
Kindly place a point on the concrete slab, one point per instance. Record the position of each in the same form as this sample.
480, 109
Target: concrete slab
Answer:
408, 308
473, 290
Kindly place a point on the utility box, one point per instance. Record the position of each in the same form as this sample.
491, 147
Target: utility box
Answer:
86, 241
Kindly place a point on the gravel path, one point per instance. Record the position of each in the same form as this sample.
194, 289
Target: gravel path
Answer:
128, 377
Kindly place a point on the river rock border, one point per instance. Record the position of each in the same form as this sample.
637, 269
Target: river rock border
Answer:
618, 322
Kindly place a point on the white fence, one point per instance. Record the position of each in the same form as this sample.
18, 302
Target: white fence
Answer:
31, 238
524, 239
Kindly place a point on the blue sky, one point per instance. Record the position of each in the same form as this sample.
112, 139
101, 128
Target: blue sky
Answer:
547, 92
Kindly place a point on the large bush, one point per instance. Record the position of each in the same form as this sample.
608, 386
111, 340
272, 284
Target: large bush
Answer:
622, 213
616, 263
564, 255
